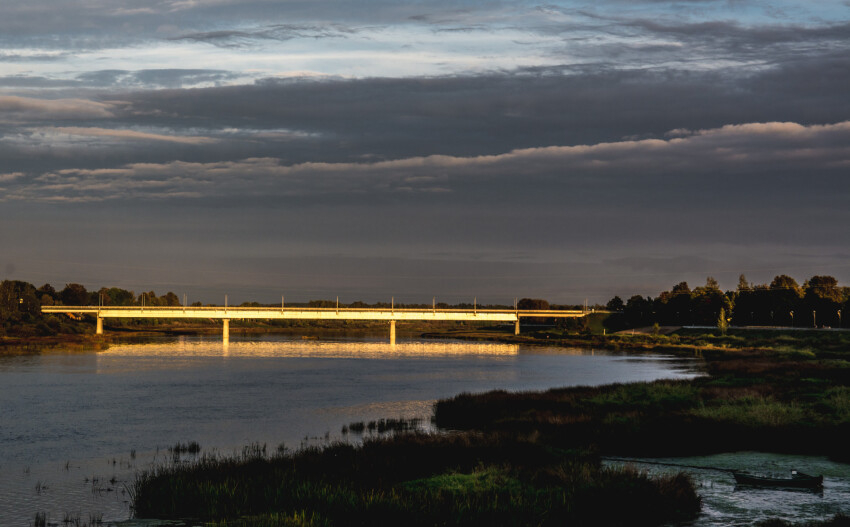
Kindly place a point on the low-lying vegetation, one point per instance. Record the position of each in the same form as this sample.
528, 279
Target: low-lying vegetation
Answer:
414, 479
750, 400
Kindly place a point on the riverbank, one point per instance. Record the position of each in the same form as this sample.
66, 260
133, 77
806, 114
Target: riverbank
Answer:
38, 344
765, 390
678, 341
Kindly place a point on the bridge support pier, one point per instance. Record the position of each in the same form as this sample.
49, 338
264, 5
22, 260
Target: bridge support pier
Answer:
99, 330
225, 330
516, 327
392, 332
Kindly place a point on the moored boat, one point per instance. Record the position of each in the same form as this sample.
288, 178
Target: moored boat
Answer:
797, 480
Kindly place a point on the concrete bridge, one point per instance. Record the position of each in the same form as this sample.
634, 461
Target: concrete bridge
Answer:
226, 314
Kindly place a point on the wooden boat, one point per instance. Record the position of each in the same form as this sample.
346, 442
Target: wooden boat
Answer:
797, 480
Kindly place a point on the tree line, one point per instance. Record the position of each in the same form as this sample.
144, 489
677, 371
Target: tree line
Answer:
20, 305
818, 302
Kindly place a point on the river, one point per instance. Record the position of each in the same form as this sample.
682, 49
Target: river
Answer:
74, 426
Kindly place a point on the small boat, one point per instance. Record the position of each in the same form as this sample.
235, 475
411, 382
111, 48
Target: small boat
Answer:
797, 480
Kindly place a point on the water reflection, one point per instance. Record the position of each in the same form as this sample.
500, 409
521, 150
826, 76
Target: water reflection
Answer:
186, 347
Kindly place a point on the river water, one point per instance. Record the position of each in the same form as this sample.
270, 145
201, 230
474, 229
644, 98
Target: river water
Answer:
74, 426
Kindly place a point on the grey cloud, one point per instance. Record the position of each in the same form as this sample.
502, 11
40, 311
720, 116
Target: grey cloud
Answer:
170, 78
34, 57
153, 78
13, 108
391, 118
298, 120
56, 24
224, 38
132, 135
30, 81
760, 152
279, 32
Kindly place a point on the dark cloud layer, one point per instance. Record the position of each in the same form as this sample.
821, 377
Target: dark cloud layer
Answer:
630, 145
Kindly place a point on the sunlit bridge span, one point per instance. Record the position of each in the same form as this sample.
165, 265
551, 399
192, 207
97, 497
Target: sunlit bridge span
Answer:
391, 315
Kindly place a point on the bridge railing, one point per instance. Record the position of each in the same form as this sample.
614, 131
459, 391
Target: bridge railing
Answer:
202, 310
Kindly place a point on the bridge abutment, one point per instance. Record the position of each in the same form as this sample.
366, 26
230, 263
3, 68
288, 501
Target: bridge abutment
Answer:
99, 330
225, 330
516, 327
392, 331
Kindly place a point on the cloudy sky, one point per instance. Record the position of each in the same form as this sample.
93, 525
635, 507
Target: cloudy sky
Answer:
473, 148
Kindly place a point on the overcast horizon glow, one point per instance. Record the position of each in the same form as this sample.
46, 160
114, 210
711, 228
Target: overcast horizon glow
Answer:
486, 149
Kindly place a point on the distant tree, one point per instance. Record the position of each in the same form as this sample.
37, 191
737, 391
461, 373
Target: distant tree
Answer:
172, 300
532, 304
783, 281
707, 301
722, 321
638, 312
75, 295
674, 307
824, 297
616, 320
785, 296
148, 299
18, 301
323, 303
117, 297
615, 304
743, 285
752, 306
824, 288
48, 290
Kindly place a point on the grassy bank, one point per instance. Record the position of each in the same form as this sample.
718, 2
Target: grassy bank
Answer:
65, 342
680, 341
415, 479
793, 399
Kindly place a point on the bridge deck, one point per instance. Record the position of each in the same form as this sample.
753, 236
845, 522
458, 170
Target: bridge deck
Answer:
308, 313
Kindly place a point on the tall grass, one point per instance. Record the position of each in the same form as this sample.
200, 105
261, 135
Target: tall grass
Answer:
415, 479
755, 412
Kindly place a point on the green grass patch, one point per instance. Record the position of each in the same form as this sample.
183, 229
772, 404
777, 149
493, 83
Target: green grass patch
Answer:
755, 412
647, 397
296, 519
488, 479
837, 402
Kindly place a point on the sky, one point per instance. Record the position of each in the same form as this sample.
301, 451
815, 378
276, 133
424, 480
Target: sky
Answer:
461, 150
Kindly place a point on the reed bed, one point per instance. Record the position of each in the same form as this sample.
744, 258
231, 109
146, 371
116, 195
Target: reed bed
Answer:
414, 479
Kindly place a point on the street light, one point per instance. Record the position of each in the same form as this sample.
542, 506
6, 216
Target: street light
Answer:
814, 318
839, 318
792, 319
